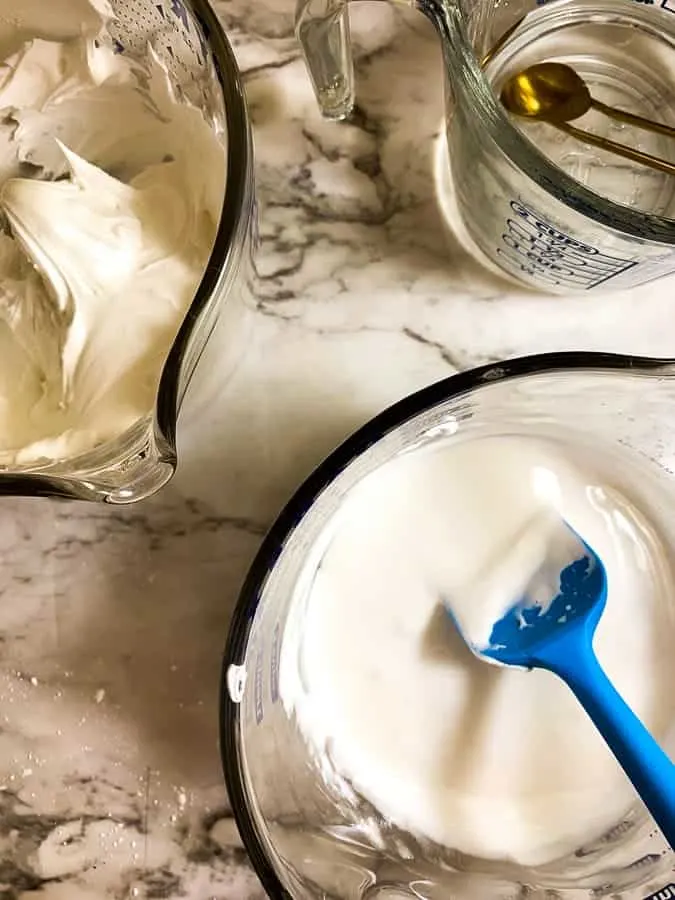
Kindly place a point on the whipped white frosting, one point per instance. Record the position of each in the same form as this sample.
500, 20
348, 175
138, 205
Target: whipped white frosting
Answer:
111, 191
497, 763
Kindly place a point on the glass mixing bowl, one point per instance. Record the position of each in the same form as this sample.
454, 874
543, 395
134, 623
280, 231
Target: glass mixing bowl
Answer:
188, 38
304, 840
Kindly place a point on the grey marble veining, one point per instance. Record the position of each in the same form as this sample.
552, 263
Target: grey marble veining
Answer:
112, 621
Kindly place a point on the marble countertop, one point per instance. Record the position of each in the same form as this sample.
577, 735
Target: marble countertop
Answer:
113, 621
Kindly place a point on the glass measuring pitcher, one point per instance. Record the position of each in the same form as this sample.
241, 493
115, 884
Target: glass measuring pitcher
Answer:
311, 834
187, 38
532, 202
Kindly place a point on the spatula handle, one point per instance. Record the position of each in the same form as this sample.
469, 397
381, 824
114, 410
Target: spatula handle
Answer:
642, 759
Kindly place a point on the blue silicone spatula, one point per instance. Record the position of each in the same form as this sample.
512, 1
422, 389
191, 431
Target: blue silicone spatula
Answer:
558, 635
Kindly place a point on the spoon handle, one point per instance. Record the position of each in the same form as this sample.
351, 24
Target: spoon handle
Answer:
621, 115
654, 162
652, 773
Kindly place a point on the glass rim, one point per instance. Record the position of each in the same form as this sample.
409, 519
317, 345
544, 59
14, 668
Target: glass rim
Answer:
295, 510
532, 163
238, 190
63, 477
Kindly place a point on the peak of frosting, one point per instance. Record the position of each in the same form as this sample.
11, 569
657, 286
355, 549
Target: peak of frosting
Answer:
111, 191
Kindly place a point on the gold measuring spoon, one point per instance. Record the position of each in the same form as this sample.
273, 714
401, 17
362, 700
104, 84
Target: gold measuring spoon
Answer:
553, 92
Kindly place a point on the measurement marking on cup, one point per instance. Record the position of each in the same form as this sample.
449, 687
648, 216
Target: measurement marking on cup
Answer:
274, 664
665, 893
258, 688
236, 682
538, 249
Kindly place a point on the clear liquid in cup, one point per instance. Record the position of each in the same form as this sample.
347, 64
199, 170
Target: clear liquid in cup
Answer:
625, 53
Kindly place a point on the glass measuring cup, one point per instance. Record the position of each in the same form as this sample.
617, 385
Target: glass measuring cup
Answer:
303, 838
542, 210
188, 39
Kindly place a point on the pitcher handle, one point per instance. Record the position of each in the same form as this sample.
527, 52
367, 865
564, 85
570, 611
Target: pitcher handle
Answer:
322, 30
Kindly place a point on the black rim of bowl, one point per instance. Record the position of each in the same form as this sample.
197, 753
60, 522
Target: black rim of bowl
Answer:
294, 511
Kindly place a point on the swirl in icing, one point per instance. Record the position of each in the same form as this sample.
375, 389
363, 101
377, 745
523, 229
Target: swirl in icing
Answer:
111, 191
